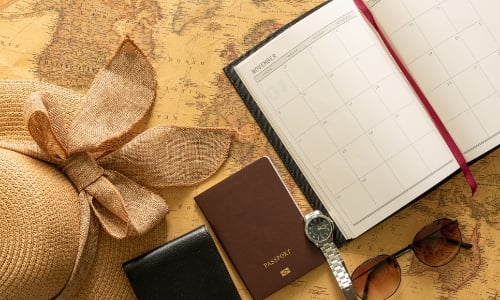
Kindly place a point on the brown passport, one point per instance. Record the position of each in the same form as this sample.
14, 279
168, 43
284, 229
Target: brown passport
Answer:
260, 227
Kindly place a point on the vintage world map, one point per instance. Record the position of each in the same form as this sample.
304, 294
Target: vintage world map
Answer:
188, 43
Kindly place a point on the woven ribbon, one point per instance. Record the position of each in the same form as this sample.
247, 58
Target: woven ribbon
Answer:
112, 164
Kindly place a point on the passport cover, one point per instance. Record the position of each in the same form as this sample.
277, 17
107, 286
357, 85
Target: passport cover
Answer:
188, 267
260, 227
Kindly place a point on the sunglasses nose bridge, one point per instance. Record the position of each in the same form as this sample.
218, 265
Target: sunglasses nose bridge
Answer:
403, 251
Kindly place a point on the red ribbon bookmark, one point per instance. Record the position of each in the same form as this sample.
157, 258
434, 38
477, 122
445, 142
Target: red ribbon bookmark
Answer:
430, 110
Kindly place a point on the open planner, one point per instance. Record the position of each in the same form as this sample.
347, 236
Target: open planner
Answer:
347, 123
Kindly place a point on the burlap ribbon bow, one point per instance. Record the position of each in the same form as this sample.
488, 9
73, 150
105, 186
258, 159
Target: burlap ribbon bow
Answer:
97, 142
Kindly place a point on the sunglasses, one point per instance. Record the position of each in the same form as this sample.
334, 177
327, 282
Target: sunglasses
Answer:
435, 245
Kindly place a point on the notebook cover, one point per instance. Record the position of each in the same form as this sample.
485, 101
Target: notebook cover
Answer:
189, 267
260, 227
269, 132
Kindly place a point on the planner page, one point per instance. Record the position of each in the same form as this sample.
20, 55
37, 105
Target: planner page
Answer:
347, 117
452, 49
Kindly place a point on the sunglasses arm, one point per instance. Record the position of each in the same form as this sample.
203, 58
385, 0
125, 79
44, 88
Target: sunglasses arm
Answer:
455, 242
462, 244
451, 241
466, 246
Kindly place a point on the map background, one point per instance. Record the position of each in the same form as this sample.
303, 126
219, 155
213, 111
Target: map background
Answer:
188, 43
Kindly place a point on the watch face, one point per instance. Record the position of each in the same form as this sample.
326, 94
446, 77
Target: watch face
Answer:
319, 229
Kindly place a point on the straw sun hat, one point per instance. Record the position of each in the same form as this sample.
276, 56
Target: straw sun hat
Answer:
77, 174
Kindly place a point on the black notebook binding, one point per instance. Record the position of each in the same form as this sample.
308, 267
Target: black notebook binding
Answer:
189, 267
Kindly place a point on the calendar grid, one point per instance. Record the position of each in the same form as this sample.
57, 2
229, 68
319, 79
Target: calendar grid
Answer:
361, 180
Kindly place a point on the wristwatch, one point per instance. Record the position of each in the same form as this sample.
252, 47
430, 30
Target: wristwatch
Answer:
319, 230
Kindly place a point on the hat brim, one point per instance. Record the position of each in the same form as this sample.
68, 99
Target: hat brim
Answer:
13, 95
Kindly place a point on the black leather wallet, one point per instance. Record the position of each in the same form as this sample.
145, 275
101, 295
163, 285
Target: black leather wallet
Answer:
188, 267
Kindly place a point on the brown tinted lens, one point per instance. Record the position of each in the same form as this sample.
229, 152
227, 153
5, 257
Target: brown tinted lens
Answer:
437, 243
377, 278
